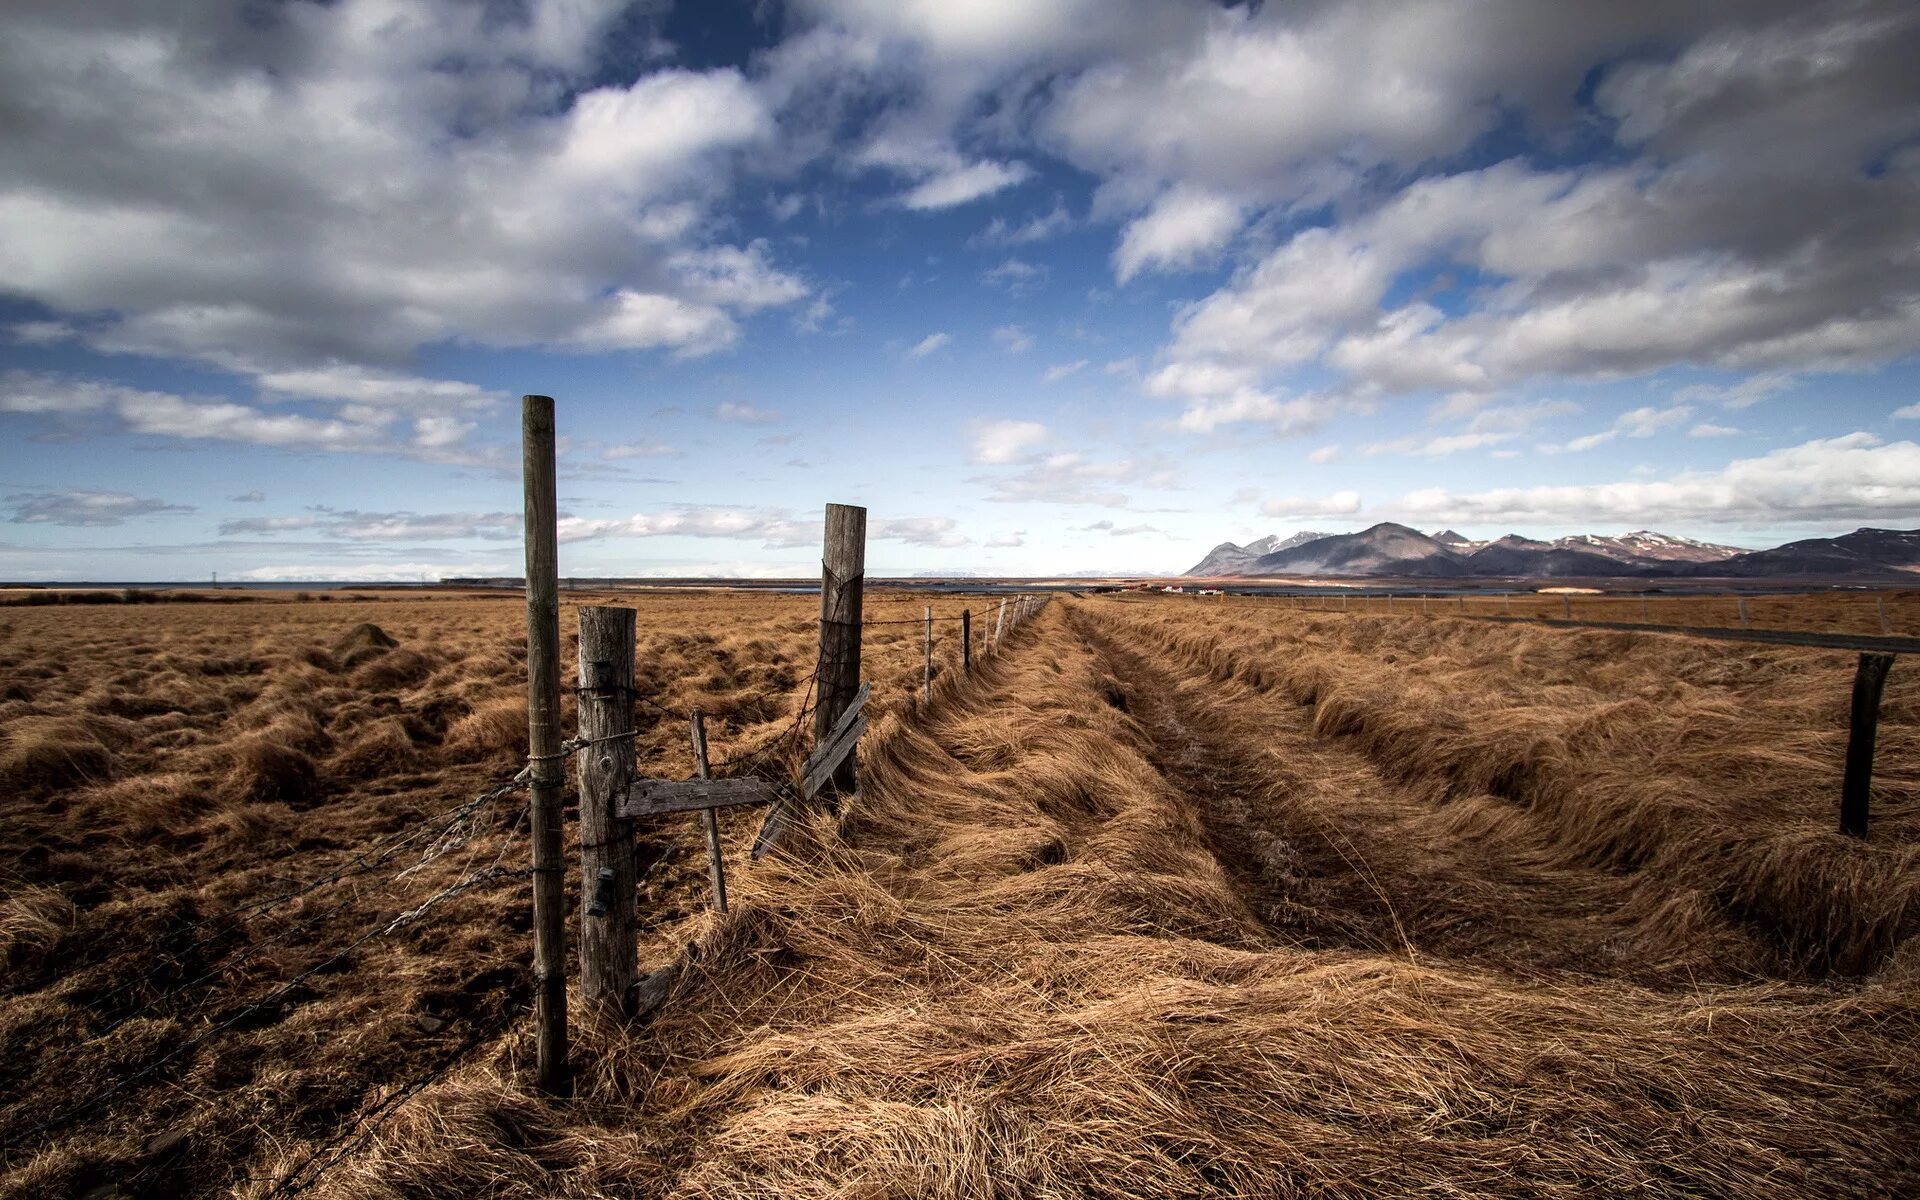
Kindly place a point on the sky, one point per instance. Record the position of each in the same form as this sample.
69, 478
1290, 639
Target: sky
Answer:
1047, 285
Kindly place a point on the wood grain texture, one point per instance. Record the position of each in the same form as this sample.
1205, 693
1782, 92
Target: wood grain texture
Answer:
609, 956
543, 746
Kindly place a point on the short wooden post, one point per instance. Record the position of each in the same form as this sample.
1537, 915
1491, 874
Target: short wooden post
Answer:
843, 565
1744, 623
609, 948
966, 640
1463, 603
1389, 601
1508, 597
926, 683
710, 818
543, 745
999, 623
1886, 630
1566, 606
1869, 681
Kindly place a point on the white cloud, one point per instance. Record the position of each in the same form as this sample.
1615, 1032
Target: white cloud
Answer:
999, 442
1910, 413
1744, 394
772, 527
79, 507
964, 183
287, 187
1438, 445
1013, 338
1183, 228
1059, 371
355, 526
928, 344
1643, 422
626, 450
1071, 478
742, 413
1001, 232
255, 496
1850, 478
1339, 504
1325, 454
1017, 275
920, 531
1707, 429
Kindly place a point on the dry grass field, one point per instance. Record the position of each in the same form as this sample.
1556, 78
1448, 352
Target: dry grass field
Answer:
1172, 897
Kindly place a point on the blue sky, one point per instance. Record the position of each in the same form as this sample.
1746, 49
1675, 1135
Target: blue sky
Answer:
1048, 285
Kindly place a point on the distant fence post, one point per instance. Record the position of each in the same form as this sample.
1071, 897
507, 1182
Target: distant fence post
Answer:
966, 640
543, 744
843, 565
999, 623
1869, 680
926, 682
1744, 623
609, 948
1885, 628
1566, 606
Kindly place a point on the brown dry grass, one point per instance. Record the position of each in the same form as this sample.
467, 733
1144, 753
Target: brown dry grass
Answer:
1169, 900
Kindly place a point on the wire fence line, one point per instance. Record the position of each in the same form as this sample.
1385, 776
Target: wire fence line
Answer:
433, 838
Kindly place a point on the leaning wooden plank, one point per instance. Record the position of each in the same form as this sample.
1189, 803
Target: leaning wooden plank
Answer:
650, 797
775, 825
818, 768
854, 706
823, 762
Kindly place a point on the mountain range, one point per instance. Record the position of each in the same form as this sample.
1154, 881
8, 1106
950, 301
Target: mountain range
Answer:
1389, 549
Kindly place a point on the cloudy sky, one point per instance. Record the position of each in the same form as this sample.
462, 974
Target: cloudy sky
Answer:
1047, 284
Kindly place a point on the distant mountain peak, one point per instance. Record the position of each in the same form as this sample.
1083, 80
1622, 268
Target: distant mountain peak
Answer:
1392, 549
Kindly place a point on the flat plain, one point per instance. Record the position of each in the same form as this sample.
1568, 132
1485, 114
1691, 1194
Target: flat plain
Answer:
1171, 896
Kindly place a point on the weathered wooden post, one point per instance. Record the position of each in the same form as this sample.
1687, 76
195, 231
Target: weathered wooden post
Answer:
926, 682
999, 623
609, 948
1389, 601
1566, 606
710, 818
1869, 680
1463, 602
843, 565
543, 744
1886, 630
966, 640
1744, 623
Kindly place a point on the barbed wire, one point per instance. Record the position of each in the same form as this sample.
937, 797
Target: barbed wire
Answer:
365, 862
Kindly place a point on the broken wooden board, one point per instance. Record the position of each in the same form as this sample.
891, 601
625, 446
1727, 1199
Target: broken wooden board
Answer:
819, 767
822, 763
651, 797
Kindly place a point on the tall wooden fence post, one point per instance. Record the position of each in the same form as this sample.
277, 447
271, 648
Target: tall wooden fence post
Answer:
1869, 680
999, 623
843, 565
543, 745
1566, 607
966, 640
926, 681
609, 947
1885, 628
